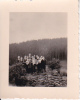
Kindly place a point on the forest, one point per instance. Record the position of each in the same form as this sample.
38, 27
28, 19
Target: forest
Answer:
49, 48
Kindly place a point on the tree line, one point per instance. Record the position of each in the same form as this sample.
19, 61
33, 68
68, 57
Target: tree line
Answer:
49, 48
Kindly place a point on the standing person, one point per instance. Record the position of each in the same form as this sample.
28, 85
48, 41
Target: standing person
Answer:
33, 63
43, 63
34, 56
39, 65
30, 64
25, 58
27, 64
36, 64
29, 56
18, 58
21, 59
37, 57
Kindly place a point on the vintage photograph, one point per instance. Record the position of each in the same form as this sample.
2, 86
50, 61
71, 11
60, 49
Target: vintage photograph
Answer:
38, 49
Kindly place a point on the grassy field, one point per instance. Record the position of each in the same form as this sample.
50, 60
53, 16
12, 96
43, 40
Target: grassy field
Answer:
48, 78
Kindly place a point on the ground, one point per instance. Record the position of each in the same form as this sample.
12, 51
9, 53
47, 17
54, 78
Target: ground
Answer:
48, 78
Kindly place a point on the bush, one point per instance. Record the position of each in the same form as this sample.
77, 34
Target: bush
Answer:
63, 72
15, 74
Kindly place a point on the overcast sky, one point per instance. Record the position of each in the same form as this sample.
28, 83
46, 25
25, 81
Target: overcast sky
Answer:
26, 26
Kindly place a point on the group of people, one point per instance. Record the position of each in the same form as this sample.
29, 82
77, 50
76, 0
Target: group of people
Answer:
33, 63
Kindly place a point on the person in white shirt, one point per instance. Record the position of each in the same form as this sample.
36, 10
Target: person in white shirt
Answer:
27, 62
29, 56
33, 63
21, 59
18, 58
34, 56
39, 61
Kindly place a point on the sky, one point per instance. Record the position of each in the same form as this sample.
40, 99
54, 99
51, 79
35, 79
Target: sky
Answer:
25, 26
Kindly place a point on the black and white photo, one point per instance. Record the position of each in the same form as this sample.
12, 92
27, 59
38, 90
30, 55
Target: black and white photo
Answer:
38, 49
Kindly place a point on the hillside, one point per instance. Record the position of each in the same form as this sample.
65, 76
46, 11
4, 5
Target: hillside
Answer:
50, 48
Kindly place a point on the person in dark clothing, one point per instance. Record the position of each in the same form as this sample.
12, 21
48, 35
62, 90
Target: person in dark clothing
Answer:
43, 64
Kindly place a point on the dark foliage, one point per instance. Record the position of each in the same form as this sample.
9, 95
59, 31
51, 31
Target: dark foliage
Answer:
15, 75
49, 78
